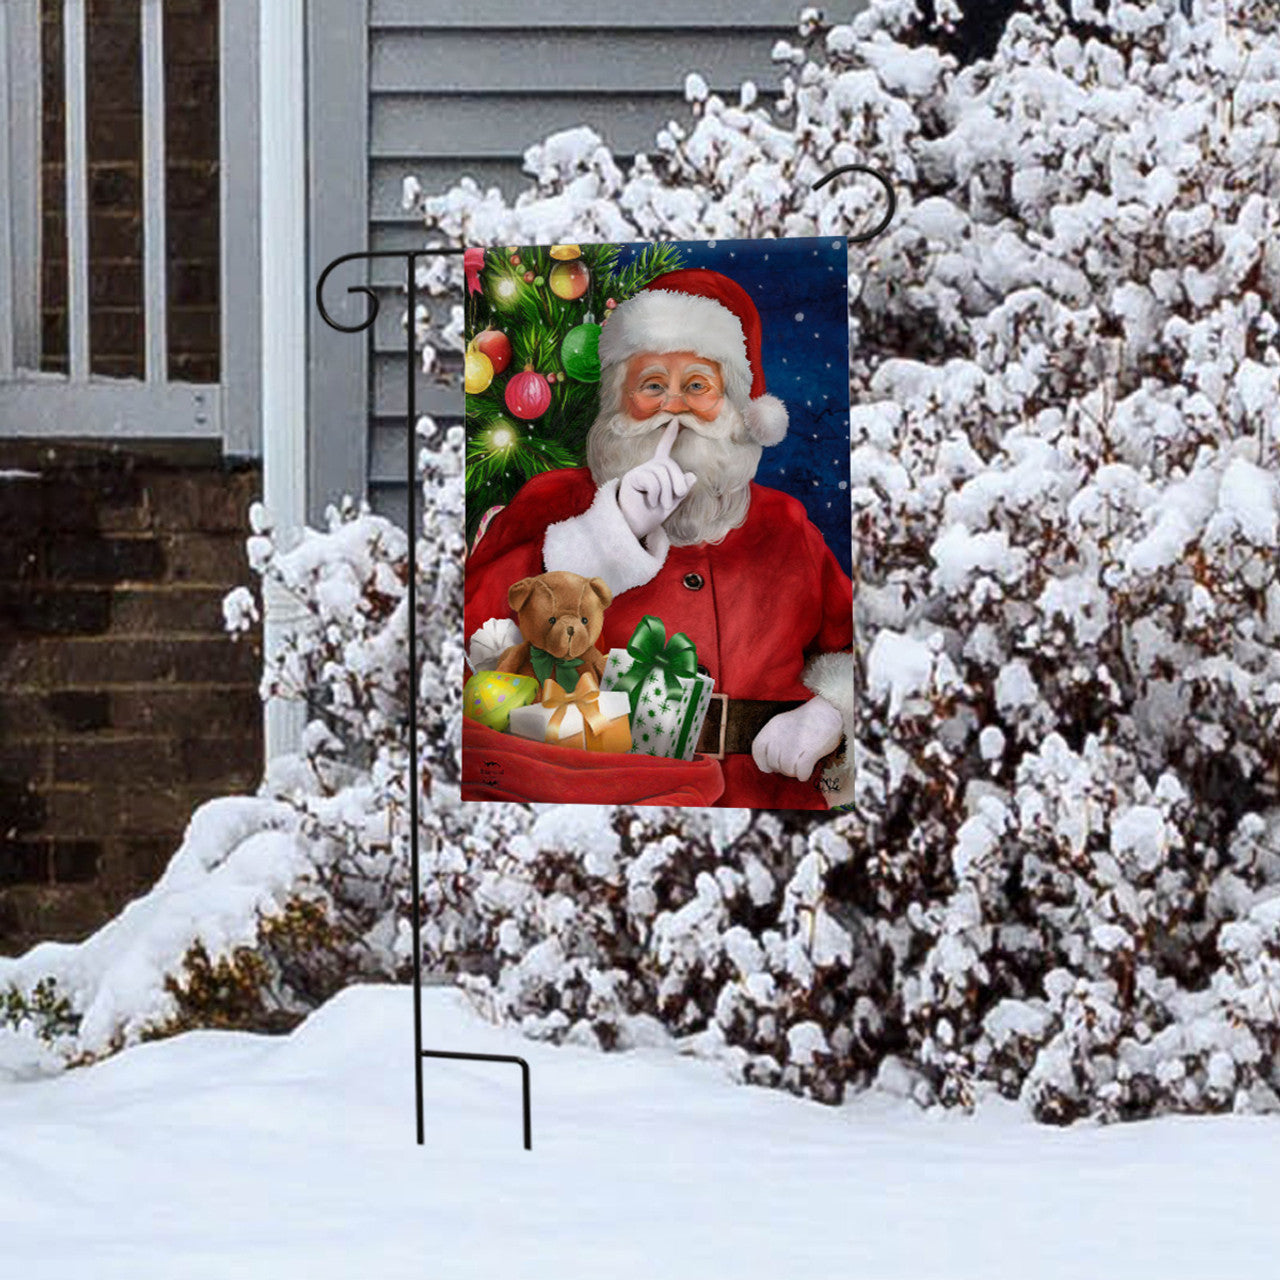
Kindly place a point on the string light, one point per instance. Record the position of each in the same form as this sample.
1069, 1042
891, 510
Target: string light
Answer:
501, 437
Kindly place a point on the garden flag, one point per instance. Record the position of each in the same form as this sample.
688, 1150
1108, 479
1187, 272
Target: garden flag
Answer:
658, 600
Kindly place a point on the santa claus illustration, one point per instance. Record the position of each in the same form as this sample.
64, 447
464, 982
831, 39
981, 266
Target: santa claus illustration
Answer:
668, 514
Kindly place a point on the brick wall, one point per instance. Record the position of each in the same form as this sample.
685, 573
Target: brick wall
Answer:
123, 703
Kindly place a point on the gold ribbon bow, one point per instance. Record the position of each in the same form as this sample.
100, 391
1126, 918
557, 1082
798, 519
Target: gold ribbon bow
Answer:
586, 697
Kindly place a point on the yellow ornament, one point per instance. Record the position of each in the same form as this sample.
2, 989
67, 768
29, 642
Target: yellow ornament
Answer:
569, 280
479, 372
565, 252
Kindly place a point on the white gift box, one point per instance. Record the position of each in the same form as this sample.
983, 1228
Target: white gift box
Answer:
534, 722
665, 723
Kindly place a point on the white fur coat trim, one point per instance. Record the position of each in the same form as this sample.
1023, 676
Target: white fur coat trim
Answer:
830, 676
599, 544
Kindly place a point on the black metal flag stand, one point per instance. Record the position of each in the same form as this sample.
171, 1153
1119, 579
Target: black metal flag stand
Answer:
409, 257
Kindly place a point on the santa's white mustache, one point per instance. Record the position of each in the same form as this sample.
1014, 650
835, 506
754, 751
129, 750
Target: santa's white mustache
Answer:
623, 425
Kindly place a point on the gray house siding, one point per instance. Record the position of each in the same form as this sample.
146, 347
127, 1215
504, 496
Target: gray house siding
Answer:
466, 89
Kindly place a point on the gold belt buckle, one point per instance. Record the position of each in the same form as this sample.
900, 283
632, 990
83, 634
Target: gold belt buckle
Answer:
718, 754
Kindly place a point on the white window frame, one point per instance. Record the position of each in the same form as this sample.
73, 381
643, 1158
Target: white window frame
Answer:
78, 404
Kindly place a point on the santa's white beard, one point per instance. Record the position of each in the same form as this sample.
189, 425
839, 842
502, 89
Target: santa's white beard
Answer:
718, 452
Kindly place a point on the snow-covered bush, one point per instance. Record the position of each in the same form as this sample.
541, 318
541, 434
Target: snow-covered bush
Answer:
348, 658
1059, 876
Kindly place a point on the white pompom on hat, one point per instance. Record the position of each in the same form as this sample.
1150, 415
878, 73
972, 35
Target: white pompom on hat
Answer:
705, 312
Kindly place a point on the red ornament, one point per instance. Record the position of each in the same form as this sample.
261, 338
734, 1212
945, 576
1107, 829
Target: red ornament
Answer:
497, 346
528, 277
528, 395
610, 304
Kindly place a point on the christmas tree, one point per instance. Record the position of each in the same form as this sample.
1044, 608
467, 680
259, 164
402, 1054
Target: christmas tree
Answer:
534, 318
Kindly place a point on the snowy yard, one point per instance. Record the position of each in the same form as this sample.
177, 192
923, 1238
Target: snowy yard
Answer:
221, 1154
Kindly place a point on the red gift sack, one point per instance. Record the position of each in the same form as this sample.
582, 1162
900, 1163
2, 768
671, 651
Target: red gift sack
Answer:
499, 766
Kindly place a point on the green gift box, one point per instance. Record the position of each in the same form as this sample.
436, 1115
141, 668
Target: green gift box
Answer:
669, 698
491, 696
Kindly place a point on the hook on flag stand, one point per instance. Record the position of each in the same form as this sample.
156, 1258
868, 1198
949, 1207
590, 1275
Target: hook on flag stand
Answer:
409, 258
891, 204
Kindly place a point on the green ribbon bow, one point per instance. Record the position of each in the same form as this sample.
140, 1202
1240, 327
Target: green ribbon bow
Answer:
652, 651
546, 666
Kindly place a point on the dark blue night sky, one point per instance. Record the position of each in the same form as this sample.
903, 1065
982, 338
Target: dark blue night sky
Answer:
799, 288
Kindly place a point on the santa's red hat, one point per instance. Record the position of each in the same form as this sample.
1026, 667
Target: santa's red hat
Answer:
706, 312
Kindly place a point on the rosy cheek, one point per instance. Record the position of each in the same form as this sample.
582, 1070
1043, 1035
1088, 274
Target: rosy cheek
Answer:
708, 411
642, 407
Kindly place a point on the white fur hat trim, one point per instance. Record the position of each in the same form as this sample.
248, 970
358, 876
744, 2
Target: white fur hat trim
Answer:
663, 320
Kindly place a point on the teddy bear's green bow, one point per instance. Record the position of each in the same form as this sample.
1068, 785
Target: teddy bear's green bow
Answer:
546, 666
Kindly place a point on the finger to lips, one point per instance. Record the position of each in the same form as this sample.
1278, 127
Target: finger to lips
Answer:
668, 439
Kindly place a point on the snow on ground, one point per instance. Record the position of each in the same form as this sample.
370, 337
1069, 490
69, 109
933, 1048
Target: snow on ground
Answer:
221, 1154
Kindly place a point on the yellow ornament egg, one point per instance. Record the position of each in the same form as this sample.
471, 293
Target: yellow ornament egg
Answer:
490, 697
565, 252
479, 372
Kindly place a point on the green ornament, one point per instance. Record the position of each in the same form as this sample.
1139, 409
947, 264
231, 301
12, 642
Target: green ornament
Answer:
580, 353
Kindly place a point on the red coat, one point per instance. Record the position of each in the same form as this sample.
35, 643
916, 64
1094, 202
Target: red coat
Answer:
756, 605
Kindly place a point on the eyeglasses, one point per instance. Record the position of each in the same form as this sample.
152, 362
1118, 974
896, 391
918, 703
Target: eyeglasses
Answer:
697, 389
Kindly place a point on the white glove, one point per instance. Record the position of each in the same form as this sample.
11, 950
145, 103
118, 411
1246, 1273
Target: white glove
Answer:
793, 742
649, 493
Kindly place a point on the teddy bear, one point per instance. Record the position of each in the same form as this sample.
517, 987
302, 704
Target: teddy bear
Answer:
560, 616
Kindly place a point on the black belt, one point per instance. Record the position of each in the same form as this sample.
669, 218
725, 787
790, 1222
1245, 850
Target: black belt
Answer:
732, 724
